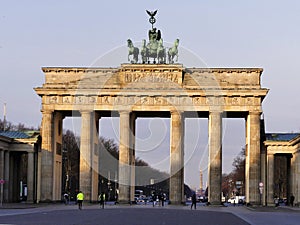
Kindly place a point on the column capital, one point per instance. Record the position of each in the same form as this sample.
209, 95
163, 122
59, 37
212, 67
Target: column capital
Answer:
216, 112
176, 112
258, 113
47, 111
86, 111
124, 111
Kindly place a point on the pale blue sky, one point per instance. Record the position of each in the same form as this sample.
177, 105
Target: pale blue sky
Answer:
228, 33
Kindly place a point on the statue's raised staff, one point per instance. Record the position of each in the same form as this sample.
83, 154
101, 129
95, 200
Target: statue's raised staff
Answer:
154, 38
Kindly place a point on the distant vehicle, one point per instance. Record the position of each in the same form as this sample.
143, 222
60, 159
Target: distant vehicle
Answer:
282, 201
202, 199
237, 200
142, 199
138, 193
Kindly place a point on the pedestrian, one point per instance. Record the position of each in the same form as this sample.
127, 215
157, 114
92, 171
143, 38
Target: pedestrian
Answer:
194, 201
116, 198
66, 198
154, 198
162, 198
292, 199
80, 198
159, 199
276, 201
101, 199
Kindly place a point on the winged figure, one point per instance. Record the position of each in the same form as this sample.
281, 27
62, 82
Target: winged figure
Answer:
152, 14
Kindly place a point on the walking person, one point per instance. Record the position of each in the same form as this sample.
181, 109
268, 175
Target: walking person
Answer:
153, 198
163, 199
116, 198
101, 199
194, 201
80, 198
292, 199
66, 198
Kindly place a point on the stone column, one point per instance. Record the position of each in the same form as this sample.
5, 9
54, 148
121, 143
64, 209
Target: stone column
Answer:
2, 168
215, 158
294, 176
57, 155
1, 164
95, 157
39, 177
252, 167
270, 181
132, 156
296, 183
263, 172
124, 158
7, 183
86, 153
47, 156
176, 158
30, 177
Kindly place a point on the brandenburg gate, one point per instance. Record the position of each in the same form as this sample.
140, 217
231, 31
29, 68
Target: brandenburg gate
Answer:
133, 90
157, 89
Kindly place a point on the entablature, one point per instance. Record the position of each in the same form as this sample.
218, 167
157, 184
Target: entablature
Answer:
158, 76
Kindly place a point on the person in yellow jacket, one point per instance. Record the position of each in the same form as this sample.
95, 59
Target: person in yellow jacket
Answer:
101, 199
80, 198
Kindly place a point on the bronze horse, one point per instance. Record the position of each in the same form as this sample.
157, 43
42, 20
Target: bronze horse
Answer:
134, 51
173, 51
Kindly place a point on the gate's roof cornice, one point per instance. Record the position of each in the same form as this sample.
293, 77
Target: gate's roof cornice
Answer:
77, 69
227, 70
148, 66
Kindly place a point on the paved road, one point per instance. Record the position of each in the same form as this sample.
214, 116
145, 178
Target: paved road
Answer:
146, 215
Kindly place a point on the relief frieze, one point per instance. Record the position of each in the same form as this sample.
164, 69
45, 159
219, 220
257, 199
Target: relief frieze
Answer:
53, 99
151, 77
105, 99
158, 101
130, 100
235, 101
118, 100
197, 100
155, 100
78, 100
146, 101
92, 99
66, 99
249, 101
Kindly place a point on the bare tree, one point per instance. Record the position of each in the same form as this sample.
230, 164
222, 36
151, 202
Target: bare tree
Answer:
233, 183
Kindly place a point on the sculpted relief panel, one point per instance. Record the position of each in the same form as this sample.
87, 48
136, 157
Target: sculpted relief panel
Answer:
151, 77
130, 100
150, 74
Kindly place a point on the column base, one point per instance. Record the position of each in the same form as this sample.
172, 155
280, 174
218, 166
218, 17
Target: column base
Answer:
125, 202
176, 203
271, 204
215, 203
